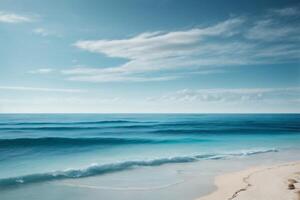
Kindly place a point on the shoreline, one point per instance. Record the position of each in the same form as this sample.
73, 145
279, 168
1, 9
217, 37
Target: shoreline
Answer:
274, 182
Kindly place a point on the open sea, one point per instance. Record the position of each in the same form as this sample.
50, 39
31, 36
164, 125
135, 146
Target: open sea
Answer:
71, 155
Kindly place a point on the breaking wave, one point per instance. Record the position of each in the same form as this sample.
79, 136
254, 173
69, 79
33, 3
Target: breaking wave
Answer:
98, 169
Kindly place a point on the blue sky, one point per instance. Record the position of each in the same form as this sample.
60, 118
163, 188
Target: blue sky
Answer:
149, 56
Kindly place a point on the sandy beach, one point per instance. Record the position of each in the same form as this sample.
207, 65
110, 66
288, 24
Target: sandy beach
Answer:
279, 182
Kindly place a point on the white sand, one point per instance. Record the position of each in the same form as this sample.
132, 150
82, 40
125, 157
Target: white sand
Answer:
259, 183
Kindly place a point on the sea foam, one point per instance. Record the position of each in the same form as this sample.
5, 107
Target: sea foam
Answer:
98, 169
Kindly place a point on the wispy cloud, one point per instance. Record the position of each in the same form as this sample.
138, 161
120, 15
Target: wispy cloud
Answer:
230, 95
98, 75
41, 71
7, 17
39, 89
289, 11
154, 51
61, 100
273, 29
233, 42
45, 32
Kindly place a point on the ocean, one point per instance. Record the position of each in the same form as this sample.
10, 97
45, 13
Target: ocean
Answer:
124, 156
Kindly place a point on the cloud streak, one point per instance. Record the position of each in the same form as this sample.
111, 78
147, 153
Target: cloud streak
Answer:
45, 32
152, 52
230, 95
41, 71
39, 89
288, 11
6, 17
238, 41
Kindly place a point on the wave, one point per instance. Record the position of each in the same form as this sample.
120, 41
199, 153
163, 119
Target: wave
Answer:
88, 141
226, 131
74, 127
65, 142
98, 169
157, 127
72, 123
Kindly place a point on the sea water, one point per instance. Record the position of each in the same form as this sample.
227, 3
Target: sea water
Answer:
124, 156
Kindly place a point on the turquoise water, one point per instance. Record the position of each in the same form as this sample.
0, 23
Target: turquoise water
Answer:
38, 148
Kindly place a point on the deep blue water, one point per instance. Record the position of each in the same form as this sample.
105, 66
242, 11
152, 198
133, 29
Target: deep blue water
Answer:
45, 147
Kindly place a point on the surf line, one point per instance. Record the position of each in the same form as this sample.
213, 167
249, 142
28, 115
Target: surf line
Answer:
121, 188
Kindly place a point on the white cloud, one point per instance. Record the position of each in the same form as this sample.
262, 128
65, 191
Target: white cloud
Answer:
61, 100
131, 48
41, 71
44, 32
39, 89
6, 17
156, 51
97, 75
230, 95
273, 30
278, 25
289, 11
183, 101
233, 42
